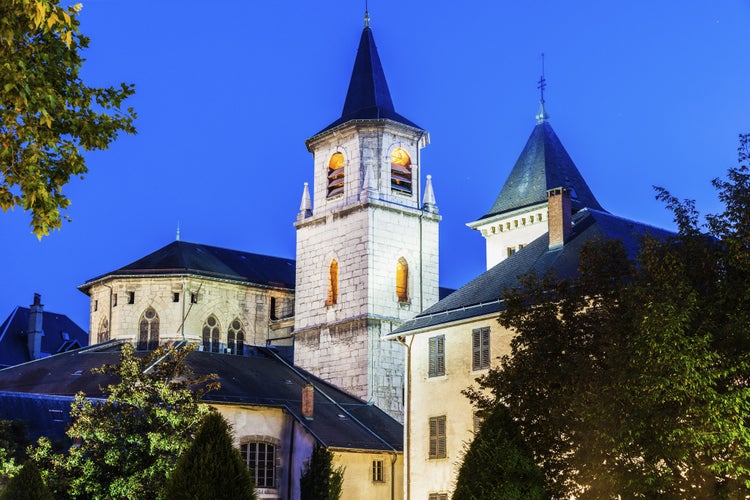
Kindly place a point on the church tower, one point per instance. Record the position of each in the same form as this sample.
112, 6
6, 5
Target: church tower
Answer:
367, 241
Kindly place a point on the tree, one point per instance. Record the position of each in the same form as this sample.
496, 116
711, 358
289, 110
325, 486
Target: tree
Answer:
633, 379
498, 464
211, 467
129, 443
26, 485
320, 480
48, 116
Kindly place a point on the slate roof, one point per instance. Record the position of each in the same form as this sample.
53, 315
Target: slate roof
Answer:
181, 257
543, 164
368, 97
259, 379
483, 294
60, 334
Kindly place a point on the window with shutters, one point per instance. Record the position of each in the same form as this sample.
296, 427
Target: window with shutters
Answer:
401, 171
377, 471
335, 175
437, 356
480, 348
437, 437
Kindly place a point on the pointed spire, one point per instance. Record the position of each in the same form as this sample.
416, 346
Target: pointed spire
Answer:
428, 201
542, 115
177, 236
305, 206
369, 186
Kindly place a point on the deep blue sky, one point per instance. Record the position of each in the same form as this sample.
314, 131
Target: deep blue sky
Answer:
641, 93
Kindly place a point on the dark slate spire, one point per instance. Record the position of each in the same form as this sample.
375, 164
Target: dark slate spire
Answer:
368, 97
544, 164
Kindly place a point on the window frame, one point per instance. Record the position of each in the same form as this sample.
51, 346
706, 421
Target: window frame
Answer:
378, 471
436, 356
480, 348
257, 471
437, 428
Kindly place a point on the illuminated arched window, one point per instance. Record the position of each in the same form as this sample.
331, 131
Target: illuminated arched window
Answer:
211, 329
335, 175
103, 333
148, 330
400, 171
236, 337
402, 280
333, 283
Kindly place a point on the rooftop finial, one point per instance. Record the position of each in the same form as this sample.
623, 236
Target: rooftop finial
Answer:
542, 116
178, 231
367, 16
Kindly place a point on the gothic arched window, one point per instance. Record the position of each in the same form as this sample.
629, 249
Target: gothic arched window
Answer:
335, 175
333, 283
103, 333
211, 329
236, 337
401, 171
148, 330
402, 280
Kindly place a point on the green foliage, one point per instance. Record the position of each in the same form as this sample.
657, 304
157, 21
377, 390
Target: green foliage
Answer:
634, 380
211, 467
130, 442
26, 485
320, 480
14, 440
48, 116
498, 464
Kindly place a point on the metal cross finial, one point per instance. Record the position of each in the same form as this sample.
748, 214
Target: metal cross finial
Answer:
542, 84
367, 16
542, 116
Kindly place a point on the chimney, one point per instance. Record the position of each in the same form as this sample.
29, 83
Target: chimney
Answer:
35, 333
559, 216
308, 400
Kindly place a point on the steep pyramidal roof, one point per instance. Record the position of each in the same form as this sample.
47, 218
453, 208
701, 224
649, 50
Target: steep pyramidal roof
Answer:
368, 97
181, 257
543, 164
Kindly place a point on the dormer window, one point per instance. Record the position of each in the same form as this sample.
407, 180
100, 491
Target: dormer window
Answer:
335, 175
401, 171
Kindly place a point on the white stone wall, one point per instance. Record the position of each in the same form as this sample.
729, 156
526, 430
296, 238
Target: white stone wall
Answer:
513, 230
225, 300
366, 231
438, 475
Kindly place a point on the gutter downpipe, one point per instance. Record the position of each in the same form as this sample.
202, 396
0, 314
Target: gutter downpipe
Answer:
407, 426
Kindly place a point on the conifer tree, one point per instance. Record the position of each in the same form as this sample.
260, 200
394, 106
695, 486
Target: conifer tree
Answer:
320, 481
26, 485
211, 467
498, 465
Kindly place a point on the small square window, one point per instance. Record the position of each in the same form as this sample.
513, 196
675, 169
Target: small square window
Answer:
131, 297
114, 300
511, 251
194, 298
96, 305
176, 297
377, 471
